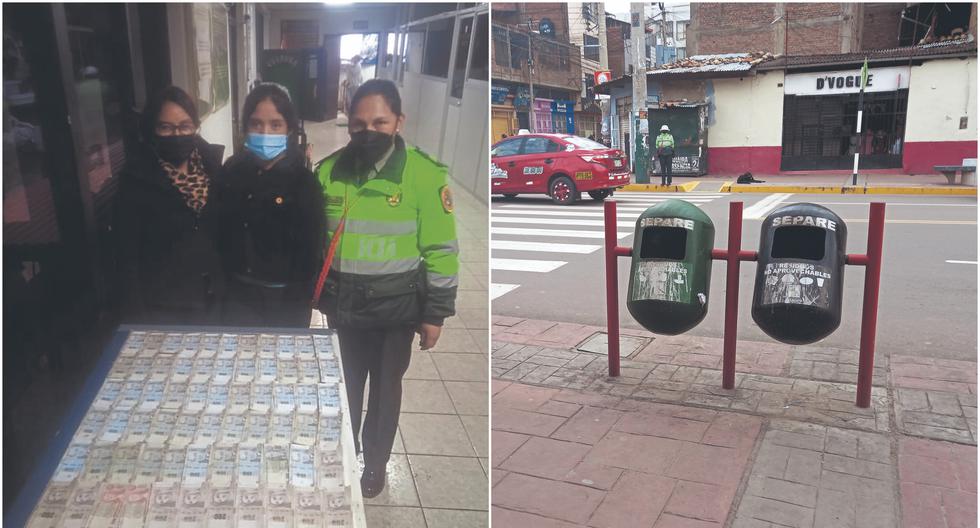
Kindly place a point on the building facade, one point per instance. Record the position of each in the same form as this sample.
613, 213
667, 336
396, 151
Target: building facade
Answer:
772, 116
537, 73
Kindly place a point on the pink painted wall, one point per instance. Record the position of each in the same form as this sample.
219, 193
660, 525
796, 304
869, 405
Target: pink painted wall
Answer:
732, 161
920, 157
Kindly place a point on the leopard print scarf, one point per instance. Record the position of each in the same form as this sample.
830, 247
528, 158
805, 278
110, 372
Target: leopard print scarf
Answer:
193, 186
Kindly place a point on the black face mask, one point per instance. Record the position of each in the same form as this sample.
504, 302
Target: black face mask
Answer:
175, 149
369, 146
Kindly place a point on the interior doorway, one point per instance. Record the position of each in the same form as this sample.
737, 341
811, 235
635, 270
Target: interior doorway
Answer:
358, 63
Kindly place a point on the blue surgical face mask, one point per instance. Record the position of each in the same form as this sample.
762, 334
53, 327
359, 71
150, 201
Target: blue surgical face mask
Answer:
266, 146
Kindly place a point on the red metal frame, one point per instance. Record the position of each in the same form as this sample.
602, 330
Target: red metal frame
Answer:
733, 257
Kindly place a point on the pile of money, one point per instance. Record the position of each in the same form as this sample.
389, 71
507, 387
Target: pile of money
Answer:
209, 430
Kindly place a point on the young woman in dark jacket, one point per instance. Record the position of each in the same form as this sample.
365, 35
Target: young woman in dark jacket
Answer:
169, 268
270, 219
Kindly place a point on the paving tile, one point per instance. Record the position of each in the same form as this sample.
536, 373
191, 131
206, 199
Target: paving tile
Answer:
588, 426
456, 340
547, 498
426, 396
399, 485
450, 482
421, 367
708, 464
503, 518
783, 490
461, 367
705, 502
558, 408
593, 475
776, 512
394, 517
497, 475
960, 508
637, 499
635, 452
435, 434
931, 471
503, 444
733, 430
672, 521
469, 397
663, 426
435, 518
523, 397
544, 457
478, 430
516, 421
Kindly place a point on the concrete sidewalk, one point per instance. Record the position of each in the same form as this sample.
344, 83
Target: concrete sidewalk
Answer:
665, 446
437, 476
805, 183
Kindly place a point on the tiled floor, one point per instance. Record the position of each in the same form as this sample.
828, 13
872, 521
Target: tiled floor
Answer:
438, 474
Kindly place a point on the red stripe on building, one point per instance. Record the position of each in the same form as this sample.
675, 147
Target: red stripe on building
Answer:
732, 161
921, 157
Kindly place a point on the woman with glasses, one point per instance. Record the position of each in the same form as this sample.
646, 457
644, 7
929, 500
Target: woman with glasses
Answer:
270, 218
169, 268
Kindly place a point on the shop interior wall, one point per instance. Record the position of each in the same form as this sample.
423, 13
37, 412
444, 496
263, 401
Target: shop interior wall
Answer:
216, 127
333, 20
941, 93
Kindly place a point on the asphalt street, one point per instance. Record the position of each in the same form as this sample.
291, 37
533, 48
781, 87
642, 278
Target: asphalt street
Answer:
547, 263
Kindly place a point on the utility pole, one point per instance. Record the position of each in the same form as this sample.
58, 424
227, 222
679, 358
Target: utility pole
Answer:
639, 114
603, 43
663, 29
530, 74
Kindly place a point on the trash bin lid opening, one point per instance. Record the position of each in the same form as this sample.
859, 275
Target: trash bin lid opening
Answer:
799, 242
664, 243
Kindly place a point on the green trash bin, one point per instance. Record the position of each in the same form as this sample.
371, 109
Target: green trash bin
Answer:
670, 273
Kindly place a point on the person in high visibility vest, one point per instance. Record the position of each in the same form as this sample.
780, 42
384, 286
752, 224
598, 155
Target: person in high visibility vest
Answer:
395, 264
665, 152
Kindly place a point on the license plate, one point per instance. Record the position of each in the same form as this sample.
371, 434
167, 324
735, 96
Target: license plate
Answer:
618, 163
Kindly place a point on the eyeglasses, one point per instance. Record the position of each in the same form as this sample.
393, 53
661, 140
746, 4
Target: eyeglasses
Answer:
167, 129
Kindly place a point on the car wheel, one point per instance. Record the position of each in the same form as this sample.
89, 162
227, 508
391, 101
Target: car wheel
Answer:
510, 195
563, 191
600, 194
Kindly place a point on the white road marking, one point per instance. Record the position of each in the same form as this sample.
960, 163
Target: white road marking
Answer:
962, 262
543, 246
554, 233
927, 222
762, 207
496, 290
555, 221
536, 266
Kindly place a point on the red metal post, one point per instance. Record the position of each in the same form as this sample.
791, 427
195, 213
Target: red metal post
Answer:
612, 287
731, 295
869, 314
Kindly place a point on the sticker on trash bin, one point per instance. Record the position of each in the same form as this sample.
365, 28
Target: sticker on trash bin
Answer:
796, 283
661, 281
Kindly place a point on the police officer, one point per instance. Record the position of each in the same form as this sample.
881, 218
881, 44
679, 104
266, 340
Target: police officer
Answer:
392, 265
665, 151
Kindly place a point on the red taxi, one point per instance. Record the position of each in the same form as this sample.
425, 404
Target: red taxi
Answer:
559, 165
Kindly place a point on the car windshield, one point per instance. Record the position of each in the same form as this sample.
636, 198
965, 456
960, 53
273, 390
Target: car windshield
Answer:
582, 143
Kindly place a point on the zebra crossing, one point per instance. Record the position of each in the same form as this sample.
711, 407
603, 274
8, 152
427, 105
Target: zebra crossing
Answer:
532, 238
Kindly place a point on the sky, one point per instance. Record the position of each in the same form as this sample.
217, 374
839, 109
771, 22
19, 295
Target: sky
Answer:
621, 8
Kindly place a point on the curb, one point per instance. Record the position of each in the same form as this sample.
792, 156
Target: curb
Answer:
651, 187
847, 189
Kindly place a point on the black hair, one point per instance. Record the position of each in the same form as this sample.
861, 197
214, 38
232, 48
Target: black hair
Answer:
279, 96
382, 87
151, 111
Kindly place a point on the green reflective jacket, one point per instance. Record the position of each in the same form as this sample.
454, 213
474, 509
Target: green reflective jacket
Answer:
665, 140
397, 260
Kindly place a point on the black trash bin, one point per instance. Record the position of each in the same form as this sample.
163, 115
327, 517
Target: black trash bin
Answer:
799, 281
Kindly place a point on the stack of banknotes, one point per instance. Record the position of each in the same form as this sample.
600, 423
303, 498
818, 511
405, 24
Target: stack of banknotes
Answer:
209, 430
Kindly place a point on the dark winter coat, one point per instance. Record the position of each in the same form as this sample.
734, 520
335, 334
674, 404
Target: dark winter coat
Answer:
169, 268
271, 238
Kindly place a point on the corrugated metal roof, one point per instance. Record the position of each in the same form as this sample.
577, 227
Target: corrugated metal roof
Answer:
964, 46
729, 67
718, 56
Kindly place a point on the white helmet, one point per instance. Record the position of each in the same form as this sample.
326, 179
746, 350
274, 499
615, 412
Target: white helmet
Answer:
665, 128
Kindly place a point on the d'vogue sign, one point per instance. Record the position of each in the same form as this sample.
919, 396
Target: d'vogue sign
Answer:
847, 81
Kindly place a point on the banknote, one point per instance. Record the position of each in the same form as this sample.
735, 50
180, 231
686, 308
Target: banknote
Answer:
285, 397
107, 395
114, 428
192, 508
281, 429
330, 469
309, 371
72, 464
288, 370
162, 366
217, 398
172, 344
174, 396
203, 369
153, 394
279, 519
268, 369
328, 432
222, 467
224, 369
239, 398
267, 345
249, 466
149, 465
91, 427
262, 398
276, 460
97, 464
130, 397
305, 348
328, 396
138, 429
172, 470
232, 429
302, 470
208, 429
307, 398
189, 346
256, 429
121, 368
196, 466
329, 369
163, 507
285, 347
141, 368
135, 507
197, 397
125, 459
305, 429
182, 370
184, 430
162, 427
221, 507
245, 370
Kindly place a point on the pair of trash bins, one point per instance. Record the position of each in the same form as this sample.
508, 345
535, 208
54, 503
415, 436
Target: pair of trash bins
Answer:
799, 278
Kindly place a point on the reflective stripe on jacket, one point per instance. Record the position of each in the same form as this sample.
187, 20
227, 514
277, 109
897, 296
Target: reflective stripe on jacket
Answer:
397, 261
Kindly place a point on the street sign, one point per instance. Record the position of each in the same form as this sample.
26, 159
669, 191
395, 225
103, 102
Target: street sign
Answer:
602, 77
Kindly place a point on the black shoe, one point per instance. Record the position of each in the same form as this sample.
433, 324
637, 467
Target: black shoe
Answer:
372, 483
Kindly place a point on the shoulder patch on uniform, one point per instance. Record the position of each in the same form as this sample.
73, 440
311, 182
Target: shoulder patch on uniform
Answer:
447, 198
422, 153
